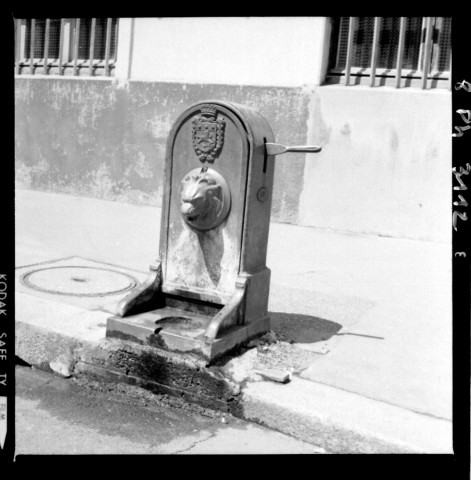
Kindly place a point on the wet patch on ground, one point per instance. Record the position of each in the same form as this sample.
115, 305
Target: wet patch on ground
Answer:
120, 410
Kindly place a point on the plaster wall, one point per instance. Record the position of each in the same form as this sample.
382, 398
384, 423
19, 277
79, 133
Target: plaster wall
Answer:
385, 167
107, 139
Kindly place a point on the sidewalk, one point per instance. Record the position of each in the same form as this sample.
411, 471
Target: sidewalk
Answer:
369, 320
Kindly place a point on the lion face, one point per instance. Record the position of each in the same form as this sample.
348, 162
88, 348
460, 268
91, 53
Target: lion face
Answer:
202, 201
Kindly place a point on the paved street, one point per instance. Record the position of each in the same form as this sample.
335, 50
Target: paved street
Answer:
56, 415
380, 308
392, 297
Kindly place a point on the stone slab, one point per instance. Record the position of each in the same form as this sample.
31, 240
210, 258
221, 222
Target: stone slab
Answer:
60, 318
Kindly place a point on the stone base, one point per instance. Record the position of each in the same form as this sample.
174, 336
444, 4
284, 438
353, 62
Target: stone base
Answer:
177, 330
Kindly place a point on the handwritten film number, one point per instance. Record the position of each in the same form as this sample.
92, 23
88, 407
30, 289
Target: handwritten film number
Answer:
462, 201
465, 114
466, 117
464, 84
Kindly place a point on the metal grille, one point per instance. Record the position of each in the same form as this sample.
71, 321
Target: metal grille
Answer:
444, 45
99, 35
66, 46
338, 56
412, 41
388, 42
363, 42
40, 37
391, 47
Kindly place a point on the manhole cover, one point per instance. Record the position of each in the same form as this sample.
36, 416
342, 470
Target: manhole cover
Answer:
79, 281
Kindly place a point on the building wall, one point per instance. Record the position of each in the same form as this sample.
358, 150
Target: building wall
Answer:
385, 167
268, 51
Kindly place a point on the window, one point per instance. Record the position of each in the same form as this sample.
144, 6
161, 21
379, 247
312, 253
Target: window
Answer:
395, 51
65, 46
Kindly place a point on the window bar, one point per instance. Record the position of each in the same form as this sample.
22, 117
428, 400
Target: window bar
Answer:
18, 46
76, 44
427, 52
400, 51
374, 54
31, 46
61, 45
348, 63
92, 46
107, 46
449, 79
46, 46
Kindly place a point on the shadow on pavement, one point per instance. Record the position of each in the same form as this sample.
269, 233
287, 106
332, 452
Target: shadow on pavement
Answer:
302, 328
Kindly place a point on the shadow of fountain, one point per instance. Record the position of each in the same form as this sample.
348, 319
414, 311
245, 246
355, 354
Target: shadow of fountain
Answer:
298, 328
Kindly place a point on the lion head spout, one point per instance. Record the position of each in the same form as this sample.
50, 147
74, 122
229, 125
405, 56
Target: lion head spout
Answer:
204, 199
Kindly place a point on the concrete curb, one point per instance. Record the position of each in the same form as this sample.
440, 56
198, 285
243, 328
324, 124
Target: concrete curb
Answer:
44, 349
343, 422
337, 421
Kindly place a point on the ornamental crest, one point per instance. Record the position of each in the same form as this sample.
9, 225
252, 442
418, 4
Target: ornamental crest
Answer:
208, 134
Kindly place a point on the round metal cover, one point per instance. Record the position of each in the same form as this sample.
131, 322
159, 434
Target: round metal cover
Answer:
79, 281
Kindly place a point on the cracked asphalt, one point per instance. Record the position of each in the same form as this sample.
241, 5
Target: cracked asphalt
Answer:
56, 415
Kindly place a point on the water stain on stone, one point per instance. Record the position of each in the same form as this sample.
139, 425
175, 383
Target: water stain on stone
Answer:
394, 141
212, 247
346, 130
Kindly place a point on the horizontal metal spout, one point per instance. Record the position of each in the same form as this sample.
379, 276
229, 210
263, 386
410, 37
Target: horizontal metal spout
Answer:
278, 148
